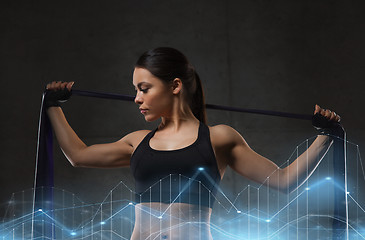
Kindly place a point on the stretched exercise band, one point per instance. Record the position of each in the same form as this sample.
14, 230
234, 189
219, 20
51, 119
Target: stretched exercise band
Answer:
209, 106
44, 177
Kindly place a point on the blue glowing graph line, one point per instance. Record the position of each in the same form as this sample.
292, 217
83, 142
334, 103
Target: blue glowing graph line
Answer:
356, 202
312, 187
184, 188
346, 187
362, 167
267, 179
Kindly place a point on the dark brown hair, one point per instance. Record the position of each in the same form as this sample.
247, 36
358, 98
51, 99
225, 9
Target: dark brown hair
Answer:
167, 64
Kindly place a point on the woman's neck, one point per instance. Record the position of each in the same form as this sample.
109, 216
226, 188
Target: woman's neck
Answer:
180, 116
178, 121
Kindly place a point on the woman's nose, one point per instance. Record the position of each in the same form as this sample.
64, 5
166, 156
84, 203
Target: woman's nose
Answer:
138, 99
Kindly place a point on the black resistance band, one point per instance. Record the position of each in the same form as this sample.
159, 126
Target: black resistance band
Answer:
209, 106
44, 170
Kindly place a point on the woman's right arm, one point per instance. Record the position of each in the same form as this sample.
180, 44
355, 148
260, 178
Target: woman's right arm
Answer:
116, 154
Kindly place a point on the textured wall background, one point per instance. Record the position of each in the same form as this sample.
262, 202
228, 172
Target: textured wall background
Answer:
275, 55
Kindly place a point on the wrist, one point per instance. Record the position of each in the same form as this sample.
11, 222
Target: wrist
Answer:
326, 127
53, 98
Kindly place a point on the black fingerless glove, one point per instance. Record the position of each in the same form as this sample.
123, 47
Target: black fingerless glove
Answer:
54, 98
327, 127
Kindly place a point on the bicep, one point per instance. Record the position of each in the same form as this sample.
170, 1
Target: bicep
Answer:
237, 154
252, 165
108, 155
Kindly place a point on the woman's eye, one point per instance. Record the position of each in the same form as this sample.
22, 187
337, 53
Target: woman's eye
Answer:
144, 90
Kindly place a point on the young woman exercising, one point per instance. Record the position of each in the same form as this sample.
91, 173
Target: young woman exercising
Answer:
188, 156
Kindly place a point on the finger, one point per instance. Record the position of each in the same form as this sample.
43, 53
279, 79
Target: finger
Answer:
50, 86
69, 85
333, 116
54, 85
327, 113
59, 85
338, 118
63, 85
317, 109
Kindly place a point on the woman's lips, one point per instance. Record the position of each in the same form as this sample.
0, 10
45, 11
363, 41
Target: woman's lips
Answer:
143, 111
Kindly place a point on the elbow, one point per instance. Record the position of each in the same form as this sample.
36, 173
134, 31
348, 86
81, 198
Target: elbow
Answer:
74, 158
286, 185
75, 164
289, 183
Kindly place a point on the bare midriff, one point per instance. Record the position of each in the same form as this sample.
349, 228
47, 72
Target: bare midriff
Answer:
177, 221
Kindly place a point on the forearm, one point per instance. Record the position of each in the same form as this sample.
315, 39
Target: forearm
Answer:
298, 171
69, 142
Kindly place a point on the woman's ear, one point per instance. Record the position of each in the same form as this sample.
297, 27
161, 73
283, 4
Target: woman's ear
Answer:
176, 86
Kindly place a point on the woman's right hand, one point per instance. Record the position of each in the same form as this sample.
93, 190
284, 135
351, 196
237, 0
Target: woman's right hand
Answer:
57, 92
57, 85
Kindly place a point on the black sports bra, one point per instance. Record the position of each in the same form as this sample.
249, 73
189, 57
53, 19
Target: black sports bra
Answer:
186, 175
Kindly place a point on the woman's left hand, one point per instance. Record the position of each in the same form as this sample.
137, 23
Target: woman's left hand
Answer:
330, 115
327, 122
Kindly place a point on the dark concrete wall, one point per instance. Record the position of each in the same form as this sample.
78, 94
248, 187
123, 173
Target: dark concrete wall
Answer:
275, 55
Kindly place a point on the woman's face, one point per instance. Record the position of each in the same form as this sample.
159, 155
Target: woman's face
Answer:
153, 96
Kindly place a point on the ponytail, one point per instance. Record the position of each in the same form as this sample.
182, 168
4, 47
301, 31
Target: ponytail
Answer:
198, 102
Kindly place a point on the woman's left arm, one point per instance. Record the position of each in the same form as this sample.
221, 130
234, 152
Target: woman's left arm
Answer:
248, 163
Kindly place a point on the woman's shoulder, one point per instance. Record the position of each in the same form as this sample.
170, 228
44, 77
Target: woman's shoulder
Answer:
134, 138
222, 130
139, 134
223, 134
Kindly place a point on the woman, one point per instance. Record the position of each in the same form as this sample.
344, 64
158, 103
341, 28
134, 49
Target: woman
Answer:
182, 149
